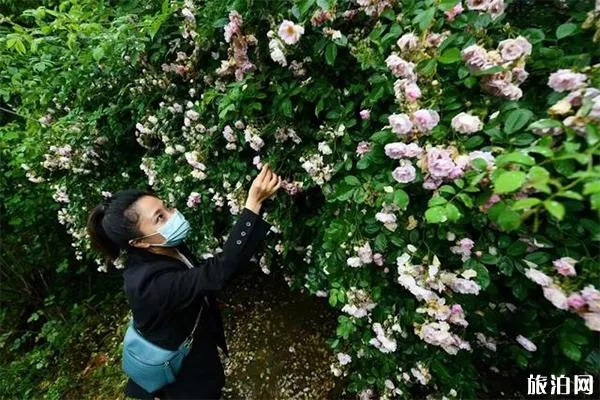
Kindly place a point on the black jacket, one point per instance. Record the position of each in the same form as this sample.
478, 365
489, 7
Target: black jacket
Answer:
165, 298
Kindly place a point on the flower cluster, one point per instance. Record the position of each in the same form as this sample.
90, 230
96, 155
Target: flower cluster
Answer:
374, 8
383, 339
586, 302
580, 106
288, 33
359, 303
365, 256
238, 63
494, 7
342, 360
387, 216
64, 157
510, 57
438, 164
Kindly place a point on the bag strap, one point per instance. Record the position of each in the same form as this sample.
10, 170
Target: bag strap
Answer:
191, 335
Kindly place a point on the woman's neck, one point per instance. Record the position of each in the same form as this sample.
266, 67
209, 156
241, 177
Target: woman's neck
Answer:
167, 251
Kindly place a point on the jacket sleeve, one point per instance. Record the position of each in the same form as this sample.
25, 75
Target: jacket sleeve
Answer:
177, 289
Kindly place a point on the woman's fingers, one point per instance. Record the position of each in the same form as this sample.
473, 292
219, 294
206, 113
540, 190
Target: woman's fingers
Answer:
278, 184
273, 180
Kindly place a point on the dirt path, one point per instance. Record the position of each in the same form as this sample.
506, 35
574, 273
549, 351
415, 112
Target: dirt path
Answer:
276, 341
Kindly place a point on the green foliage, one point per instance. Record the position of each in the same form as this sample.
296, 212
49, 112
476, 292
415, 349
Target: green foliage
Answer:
136, 94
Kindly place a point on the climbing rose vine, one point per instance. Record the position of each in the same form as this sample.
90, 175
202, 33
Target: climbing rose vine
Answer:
444, 154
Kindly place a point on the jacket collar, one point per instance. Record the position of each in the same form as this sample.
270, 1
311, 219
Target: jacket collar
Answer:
137, 256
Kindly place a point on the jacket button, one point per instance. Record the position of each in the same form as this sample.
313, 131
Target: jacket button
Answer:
238, 241
243, 233
248, 223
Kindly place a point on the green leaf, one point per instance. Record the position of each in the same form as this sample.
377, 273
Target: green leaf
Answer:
401, 198
352, 180
544, 124
570, 349
569, 194
538, 177
450, 56
509, 220
489, 71
466, 199
427, 67
98, 53
509, 181
424, 18
525, 203
565, 30
360, 195
452, 212
436, 201
515, 157
286, 107
446, 5
591, 187
330, 53
555, 208
516, 120
435, 215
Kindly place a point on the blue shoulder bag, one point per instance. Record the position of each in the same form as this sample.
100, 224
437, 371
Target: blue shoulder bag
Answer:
149, 365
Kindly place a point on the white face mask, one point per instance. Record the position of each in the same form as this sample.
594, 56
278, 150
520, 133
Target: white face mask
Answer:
174, 231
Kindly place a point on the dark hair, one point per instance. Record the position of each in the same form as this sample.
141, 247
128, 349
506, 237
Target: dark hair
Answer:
113, 223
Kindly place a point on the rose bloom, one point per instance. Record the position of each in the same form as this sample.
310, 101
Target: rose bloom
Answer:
400, 123
566, 80
407, 42
556, 296
538, 277
565, 266
425, 120
412, 91
290, 32
481, 5
466, 123
397, 150
400, 68
575, 301
509, 50
365, 114
454, 11
405, 173
439, 162
526, 343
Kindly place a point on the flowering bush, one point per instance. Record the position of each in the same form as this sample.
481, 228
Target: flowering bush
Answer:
446, 155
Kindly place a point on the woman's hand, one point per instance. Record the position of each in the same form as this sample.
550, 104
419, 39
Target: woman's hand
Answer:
264, 185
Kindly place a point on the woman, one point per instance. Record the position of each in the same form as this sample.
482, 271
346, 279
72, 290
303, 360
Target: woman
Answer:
166, 284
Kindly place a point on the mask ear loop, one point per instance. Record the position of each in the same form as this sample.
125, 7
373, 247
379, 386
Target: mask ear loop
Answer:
141, 237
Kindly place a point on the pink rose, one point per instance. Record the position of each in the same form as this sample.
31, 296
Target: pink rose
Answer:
439, 162
510, 49
466, 123
289, 32
566, 80
480, 5
454, 11
405, 173
412, 91
400, 68
400, 123
565, 266
407, 42
526, 343
575, 301
556, 296
425, 120
363, 147
365, 114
